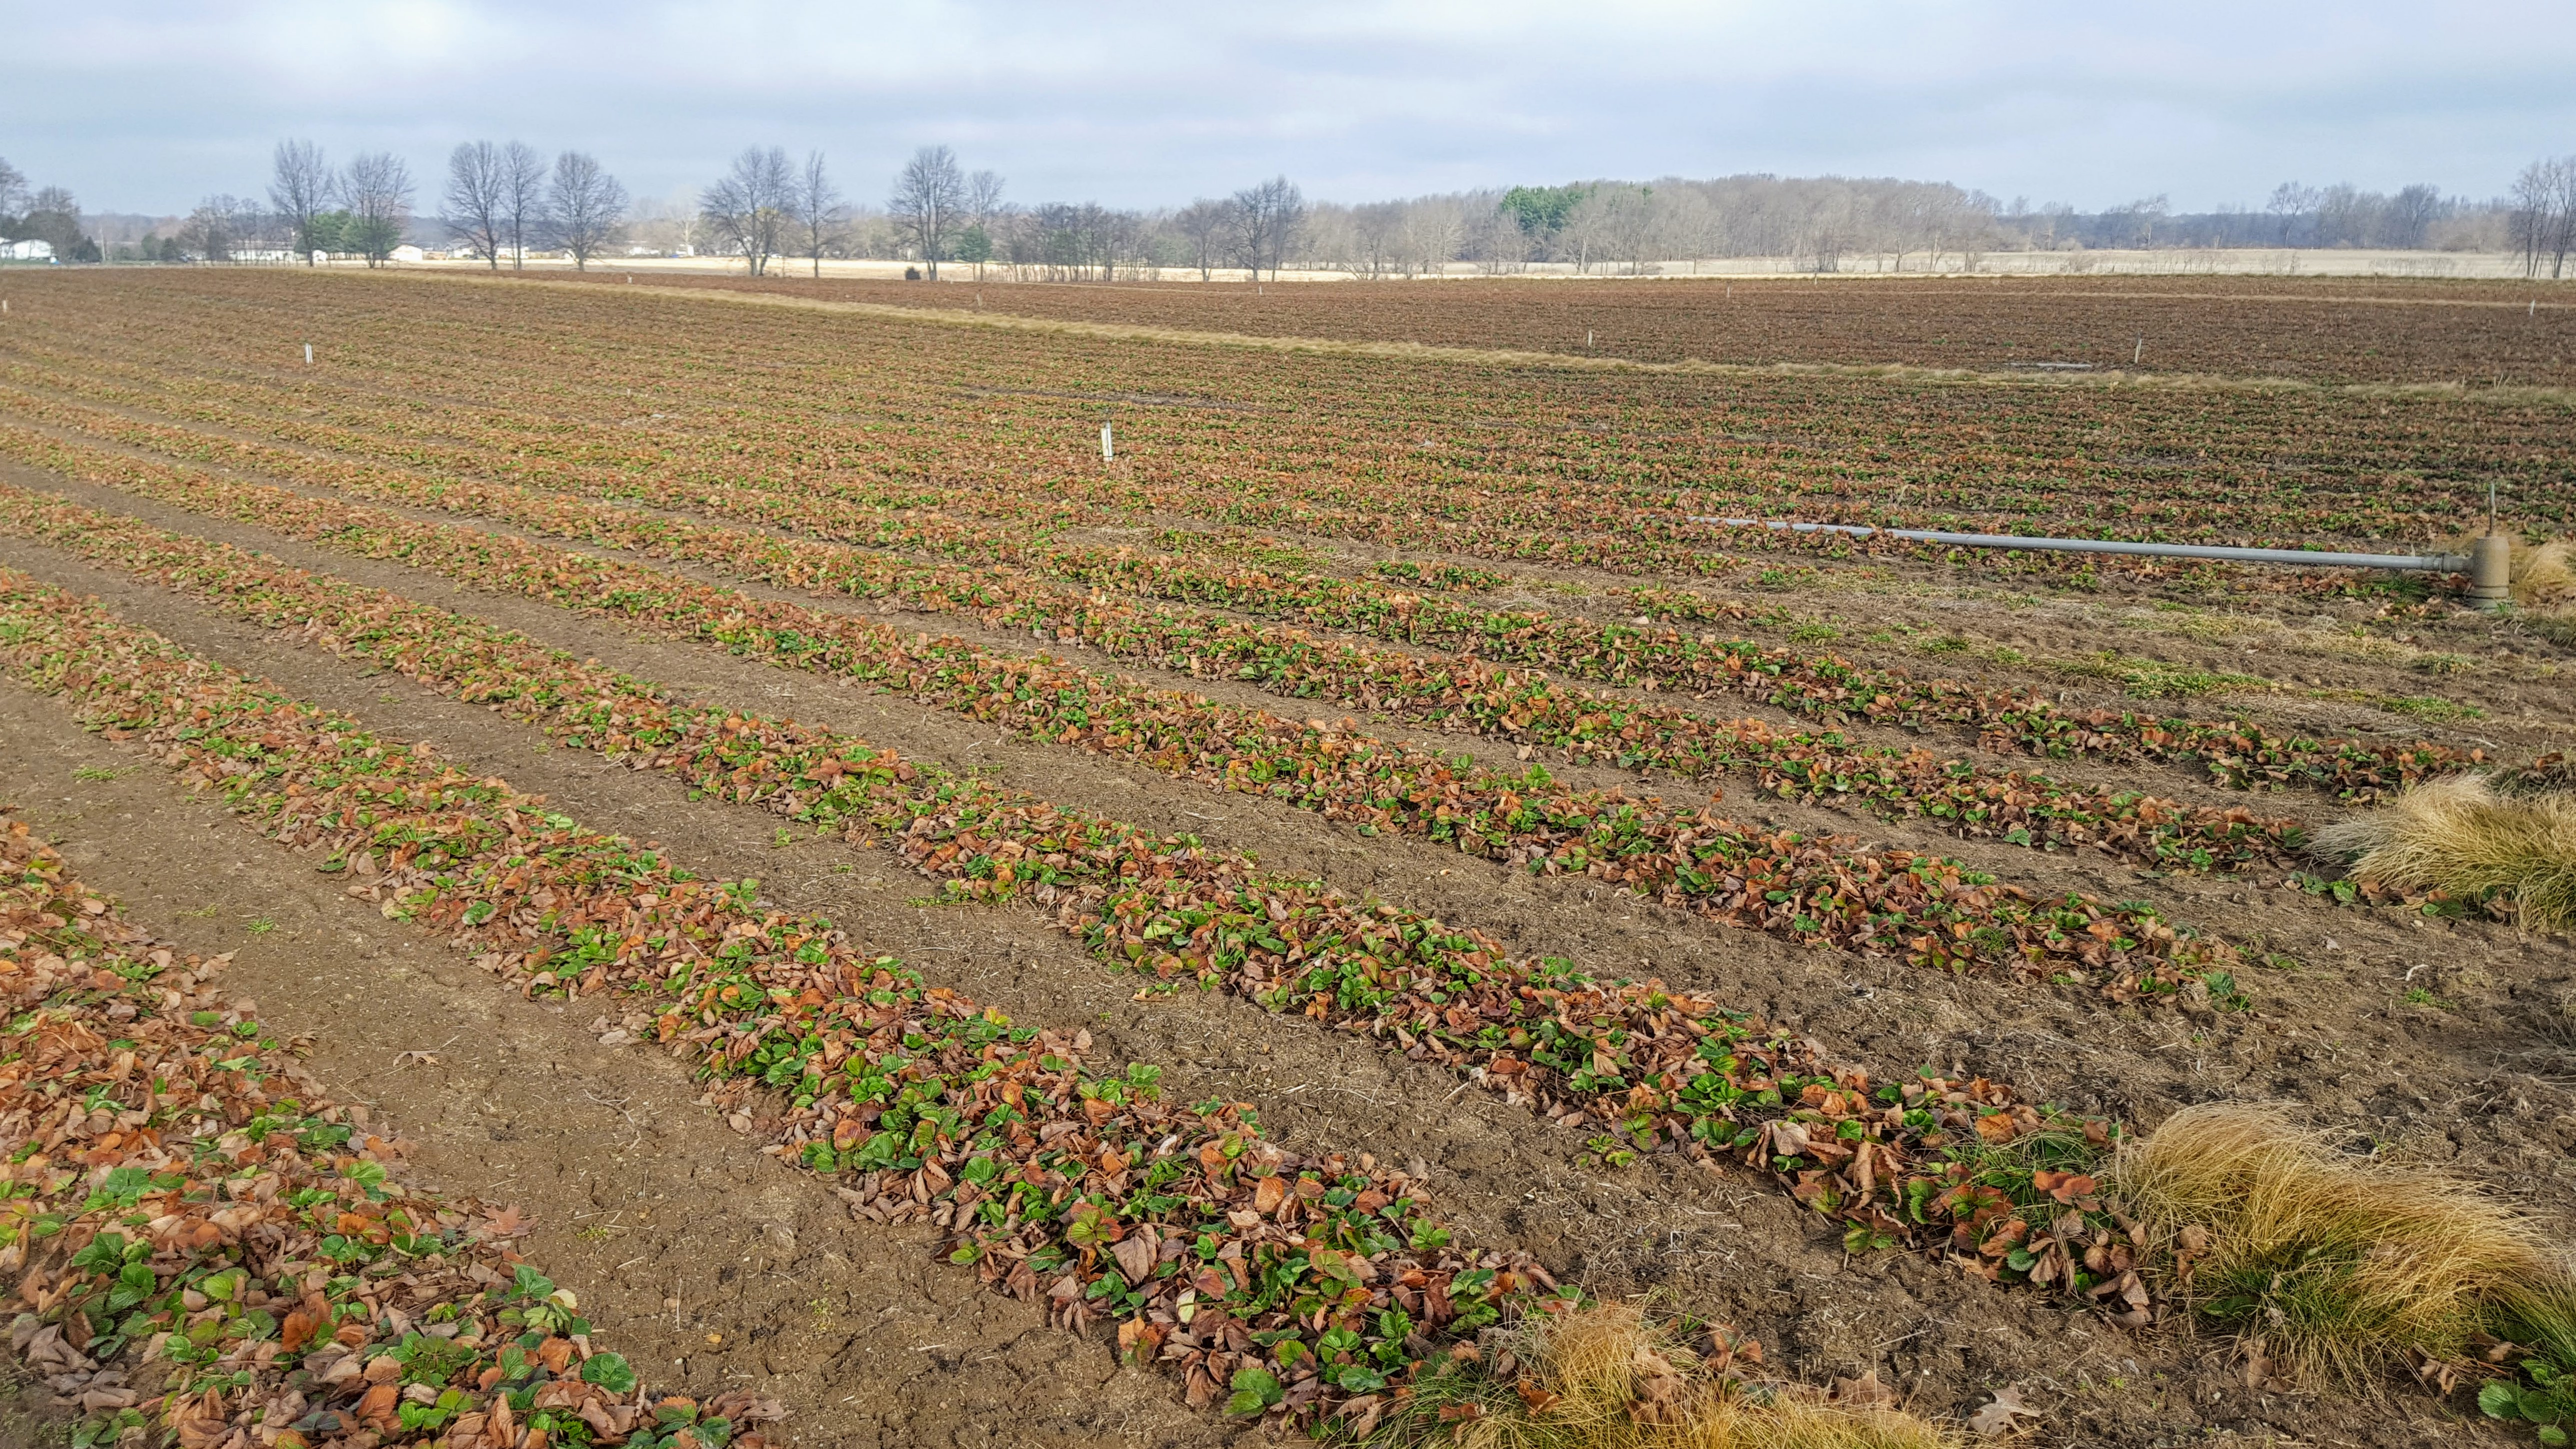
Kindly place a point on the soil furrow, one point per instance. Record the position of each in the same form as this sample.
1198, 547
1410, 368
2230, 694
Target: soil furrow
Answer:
2067, 1053
636, 1193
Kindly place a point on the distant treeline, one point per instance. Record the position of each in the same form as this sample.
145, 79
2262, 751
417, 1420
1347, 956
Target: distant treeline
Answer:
503, 202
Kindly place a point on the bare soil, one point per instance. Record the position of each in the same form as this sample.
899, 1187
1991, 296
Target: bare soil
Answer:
711, 1266
1736, 1249
2330, 330
2442, 1043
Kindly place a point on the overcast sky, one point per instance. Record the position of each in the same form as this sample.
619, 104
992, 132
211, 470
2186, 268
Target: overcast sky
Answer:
146, 107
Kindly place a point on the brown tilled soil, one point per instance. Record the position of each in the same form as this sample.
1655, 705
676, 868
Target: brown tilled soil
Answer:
710, 1265
2323, 329
2322, 666
2452, 1044
2468, 1085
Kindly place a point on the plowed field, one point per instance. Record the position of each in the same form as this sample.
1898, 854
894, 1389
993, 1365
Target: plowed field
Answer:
2337, 331
714, 873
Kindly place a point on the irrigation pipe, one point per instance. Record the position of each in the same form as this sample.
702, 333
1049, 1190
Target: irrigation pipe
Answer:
2436, 562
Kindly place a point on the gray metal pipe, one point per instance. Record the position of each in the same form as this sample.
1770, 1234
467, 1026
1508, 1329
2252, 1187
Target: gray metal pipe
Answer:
2437, 562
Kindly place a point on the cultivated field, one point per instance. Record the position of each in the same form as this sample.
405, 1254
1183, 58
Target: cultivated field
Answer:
622, 863
2343, 330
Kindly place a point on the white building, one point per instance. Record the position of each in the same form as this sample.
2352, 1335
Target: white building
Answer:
409, 253
29, 250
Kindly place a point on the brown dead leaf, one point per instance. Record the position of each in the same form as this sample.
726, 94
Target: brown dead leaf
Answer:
1135, 1258
1268, 1193
1865, 1390
1996, 1419
2064, 1186
377, 1408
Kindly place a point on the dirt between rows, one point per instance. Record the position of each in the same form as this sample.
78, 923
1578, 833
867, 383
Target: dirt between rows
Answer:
1734, 1249
2499, 664
2518, 682
2324, 948
2168, 781
709, 1265
2373, 330
1821, 818
2317, 940
2518, 689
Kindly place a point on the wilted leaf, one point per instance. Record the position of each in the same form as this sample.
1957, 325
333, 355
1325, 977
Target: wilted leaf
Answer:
1999, 1417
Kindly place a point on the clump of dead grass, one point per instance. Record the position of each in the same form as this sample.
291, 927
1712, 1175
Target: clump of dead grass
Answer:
2332, 1266
2544, 575
2460, 836
1614, 1376
2544, 585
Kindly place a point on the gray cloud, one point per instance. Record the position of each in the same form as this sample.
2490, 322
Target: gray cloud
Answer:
147, 106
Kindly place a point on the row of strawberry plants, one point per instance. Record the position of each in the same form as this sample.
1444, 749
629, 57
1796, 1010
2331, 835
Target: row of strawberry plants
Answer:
1537, 1032
2028, 810
1494, 493
206, 1245
1122, 891
1932, 910
1307, 1287
2240, 753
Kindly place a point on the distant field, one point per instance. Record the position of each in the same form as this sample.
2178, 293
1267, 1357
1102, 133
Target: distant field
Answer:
2320, 329
882, 884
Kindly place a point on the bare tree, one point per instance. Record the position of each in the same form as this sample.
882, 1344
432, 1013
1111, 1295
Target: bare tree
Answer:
302, 187
523, 196
1267, 219
1434, 230
222, 226
2290, 202
2562, 233
13, 189
1608, 220
819, 212
474, 204
986, 213
750, 206
584, 207
2544, 218
1376, 232
1207, 225
929, 195
207, 233
983, 197
2409, 215
378, 190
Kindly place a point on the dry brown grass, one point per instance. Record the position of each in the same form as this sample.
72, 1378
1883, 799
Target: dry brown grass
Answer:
1614, 1377
2460, 836
2331, 1266
2544, 577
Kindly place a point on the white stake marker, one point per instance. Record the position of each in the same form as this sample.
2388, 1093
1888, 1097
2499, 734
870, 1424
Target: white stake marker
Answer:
1107, 452
2140, 354
308, 354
